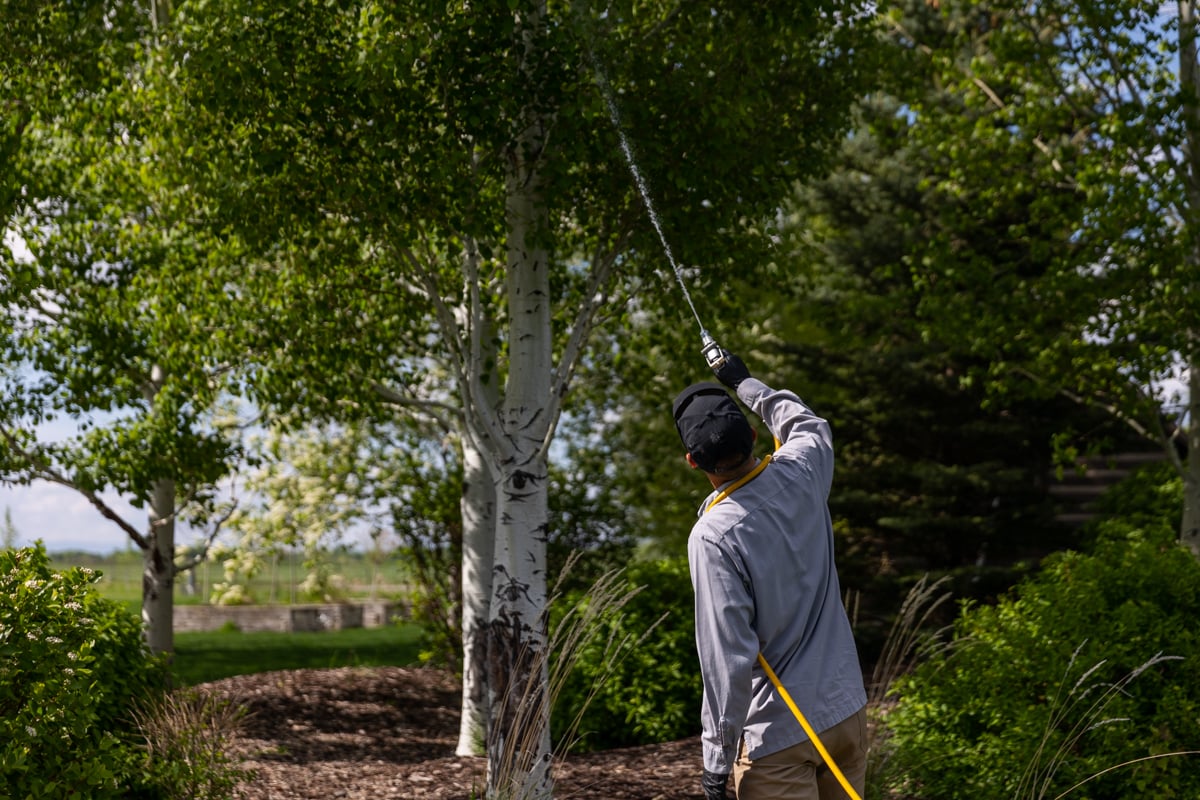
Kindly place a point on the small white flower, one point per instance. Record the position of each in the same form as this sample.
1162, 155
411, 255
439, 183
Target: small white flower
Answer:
74, 606
30, 730
53, 640
73, 655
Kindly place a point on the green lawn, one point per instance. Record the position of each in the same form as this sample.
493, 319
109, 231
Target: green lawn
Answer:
208, 656
360, 577
203, 657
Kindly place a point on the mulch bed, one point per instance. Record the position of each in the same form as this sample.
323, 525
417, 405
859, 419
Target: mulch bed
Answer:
389, 732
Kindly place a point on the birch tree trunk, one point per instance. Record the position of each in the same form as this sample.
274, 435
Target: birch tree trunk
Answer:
158, 556
158, 570
479, 530
518, 740
518, 706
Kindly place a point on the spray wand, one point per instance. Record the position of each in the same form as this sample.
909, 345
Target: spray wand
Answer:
714, 356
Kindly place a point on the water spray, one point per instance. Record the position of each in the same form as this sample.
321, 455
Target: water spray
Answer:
713, 354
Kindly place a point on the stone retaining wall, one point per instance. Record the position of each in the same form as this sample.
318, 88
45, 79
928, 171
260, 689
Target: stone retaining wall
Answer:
289, 619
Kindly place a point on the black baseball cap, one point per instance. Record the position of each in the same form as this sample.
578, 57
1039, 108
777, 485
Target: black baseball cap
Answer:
712, 426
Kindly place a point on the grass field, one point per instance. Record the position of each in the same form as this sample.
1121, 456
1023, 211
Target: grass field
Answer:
359, 577
203, 657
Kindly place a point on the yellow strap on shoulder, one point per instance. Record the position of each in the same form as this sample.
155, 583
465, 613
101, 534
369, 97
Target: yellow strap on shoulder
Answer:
739, 483
783, 692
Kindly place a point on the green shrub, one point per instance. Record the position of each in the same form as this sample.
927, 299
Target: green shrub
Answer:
1147, 505
653, 694
1091, 664
71, 666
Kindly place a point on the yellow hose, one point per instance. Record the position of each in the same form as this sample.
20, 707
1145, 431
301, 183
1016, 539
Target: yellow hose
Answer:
787, 698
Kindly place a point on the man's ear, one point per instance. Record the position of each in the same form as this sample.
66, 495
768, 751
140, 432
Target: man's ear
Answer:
691, 461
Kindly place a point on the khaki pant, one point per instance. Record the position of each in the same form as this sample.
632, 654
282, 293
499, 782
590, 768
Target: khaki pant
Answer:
799, 772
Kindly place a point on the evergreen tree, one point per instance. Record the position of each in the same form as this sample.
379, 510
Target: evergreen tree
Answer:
935, 473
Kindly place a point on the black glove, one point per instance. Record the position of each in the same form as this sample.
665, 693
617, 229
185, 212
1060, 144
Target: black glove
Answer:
713, 784
731, 371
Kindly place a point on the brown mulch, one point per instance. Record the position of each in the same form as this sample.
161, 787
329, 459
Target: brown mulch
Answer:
386, 733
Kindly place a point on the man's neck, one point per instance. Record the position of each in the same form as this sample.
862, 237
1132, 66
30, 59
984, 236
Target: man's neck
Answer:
719, 479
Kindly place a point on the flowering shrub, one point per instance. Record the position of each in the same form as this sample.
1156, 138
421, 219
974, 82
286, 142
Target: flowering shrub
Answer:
72, 666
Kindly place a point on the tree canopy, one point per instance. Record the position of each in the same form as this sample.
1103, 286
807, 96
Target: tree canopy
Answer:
100, 322
1059, 143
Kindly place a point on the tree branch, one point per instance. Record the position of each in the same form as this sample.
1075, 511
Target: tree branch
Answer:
990, 94
596, 295
202, 555
1160, 438
441, 413
46, 472
1165, 149
475, 389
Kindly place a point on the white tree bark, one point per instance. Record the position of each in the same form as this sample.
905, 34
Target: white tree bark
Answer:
158, 555
518, 740
158, 570
479, 529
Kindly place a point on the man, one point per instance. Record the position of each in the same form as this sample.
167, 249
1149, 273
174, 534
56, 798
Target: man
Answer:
762, 566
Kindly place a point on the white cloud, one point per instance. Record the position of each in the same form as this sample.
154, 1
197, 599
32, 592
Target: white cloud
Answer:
64, 520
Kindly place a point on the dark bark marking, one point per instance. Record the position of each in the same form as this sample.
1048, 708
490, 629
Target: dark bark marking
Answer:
536, 416
1191, 537
512, 590
514, 676
521, 477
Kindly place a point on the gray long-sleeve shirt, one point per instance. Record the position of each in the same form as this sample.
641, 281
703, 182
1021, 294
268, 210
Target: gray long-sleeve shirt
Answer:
763, 572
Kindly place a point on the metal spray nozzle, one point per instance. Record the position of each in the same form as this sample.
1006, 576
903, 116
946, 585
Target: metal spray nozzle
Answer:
712, 352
